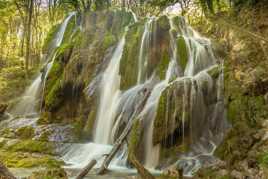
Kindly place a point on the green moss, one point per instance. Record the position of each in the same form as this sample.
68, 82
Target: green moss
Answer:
163, 65
45, 118
44, 136
25, 132
26, 160
69, 30
173, 152
159, 122
50, 37
208, 173
182, 52
8, 133
53, 75
58, 173
263, 159
2, 142
134, 139
163, 23
237, 143
214, 72
78, 127
53, 99
109, 40
31, 146
163, 176
88, 129
129, 62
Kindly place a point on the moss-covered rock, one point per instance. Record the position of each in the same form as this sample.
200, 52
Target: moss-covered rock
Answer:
57, 173
182, 51
89, 126
26, 132
134, 139
129, 64
26, 160
50, 37
31, 146
237, 143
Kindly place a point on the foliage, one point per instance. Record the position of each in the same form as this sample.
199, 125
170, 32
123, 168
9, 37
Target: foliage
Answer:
81, 5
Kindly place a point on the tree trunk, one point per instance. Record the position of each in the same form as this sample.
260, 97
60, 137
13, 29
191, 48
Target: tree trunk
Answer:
144, 173
85, 171
121, 139
123, 136
28, 37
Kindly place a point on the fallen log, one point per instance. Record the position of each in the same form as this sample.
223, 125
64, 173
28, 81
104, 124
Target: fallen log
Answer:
119, 141
123, 136
143, 172
85, 170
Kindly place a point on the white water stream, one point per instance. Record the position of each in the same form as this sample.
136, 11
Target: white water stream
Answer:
109, 97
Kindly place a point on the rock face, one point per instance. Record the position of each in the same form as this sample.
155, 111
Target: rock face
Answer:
162, 57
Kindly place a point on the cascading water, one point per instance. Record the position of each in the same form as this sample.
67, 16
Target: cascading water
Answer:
151, 151
144, 49
109, 97
185, 89
30, 100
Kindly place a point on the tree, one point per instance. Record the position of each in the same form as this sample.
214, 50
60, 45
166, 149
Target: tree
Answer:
30, 4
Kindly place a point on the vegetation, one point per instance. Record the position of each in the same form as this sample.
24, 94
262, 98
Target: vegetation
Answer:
68, 94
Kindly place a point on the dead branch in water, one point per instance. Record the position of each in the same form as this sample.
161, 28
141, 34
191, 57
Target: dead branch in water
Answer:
119, 142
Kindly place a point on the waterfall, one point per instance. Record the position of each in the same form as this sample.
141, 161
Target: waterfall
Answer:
109, 97
144, 49
30, 101
60, 34
57, 42
149, 112
134, 16
185, 81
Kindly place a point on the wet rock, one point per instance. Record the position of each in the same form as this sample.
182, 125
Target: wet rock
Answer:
173, 171
5, 173
51, 173
236, 174
256, 81
223, 172
3, 108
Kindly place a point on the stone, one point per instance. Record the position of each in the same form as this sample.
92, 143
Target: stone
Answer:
236, 174
57, 173
3, 108
223, 172
5, 173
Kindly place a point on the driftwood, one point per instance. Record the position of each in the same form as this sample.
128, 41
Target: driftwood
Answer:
5, 173
119, 142
85, 170
144, 173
